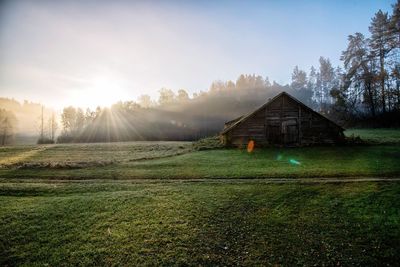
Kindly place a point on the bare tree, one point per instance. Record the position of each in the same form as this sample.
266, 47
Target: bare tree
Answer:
53, 126
166, 96
182, 95
7, 126
145, 101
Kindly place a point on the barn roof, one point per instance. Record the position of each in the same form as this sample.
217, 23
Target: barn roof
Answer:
241, 119
233, 121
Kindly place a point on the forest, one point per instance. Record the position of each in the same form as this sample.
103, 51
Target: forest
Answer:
363, 92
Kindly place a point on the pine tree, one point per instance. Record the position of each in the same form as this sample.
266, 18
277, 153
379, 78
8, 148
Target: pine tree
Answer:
359, 70
381, 44
299, 79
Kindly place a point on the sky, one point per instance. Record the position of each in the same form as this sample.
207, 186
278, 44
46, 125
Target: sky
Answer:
89, 53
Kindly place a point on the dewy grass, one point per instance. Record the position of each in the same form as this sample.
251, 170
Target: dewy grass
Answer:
208, 223
91, 154
180, 160
151, 219
331, 161
376, 136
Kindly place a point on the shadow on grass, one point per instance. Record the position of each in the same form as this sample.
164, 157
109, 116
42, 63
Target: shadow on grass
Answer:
300, 225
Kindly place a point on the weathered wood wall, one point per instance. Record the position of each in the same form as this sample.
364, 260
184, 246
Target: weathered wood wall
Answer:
284, 122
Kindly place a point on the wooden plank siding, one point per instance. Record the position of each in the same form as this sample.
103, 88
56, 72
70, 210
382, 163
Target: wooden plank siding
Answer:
282, 121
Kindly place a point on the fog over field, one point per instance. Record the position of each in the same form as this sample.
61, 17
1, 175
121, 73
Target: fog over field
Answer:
177, 71
199, 133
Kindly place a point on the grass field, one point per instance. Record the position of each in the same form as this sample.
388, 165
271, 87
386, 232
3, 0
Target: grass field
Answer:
207, 223
96, 153
60, 205
264, 163
178, 160
377, 136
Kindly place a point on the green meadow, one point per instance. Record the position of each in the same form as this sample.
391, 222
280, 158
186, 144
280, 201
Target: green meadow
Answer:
199, 223
376, 136
175, 203
354, 161
377, 156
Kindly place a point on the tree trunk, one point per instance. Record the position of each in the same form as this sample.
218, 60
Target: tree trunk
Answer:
371, 99
382, 63
398, 94
389, 97
3, 141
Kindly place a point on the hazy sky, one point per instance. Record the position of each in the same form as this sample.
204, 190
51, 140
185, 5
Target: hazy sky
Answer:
97, 52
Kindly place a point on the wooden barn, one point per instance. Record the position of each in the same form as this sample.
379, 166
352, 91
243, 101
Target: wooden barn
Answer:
283, 120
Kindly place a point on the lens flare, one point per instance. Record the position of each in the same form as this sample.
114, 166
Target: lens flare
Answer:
294, 162
250, 146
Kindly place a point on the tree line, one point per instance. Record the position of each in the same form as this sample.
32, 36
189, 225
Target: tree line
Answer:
364, 91
366, 86
25, 121
371, 77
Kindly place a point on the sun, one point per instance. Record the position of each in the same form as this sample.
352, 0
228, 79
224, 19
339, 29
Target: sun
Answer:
101, 90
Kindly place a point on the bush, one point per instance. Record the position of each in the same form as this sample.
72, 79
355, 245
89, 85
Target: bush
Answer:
354, 140
45, 140
213, 142
65, 139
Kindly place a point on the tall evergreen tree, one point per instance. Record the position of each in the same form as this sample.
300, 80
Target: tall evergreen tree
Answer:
300, 86
360, 71
381, 45
312, 83
325, 83
299, 79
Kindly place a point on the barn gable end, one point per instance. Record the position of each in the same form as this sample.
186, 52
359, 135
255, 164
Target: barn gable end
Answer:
282, 121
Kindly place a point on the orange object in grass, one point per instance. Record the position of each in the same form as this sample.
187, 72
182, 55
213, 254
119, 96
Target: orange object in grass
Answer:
250, 146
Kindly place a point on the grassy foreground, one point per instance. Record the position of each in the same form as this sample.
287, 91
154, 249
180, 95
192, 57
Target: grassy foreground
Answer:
352, 161
59, 206
207, 223
180, 160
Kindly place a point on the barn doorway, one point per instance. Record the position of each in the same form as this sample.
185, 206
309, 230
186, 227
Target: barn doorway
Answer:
290, 133
274, 134
284, 132
273, 131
